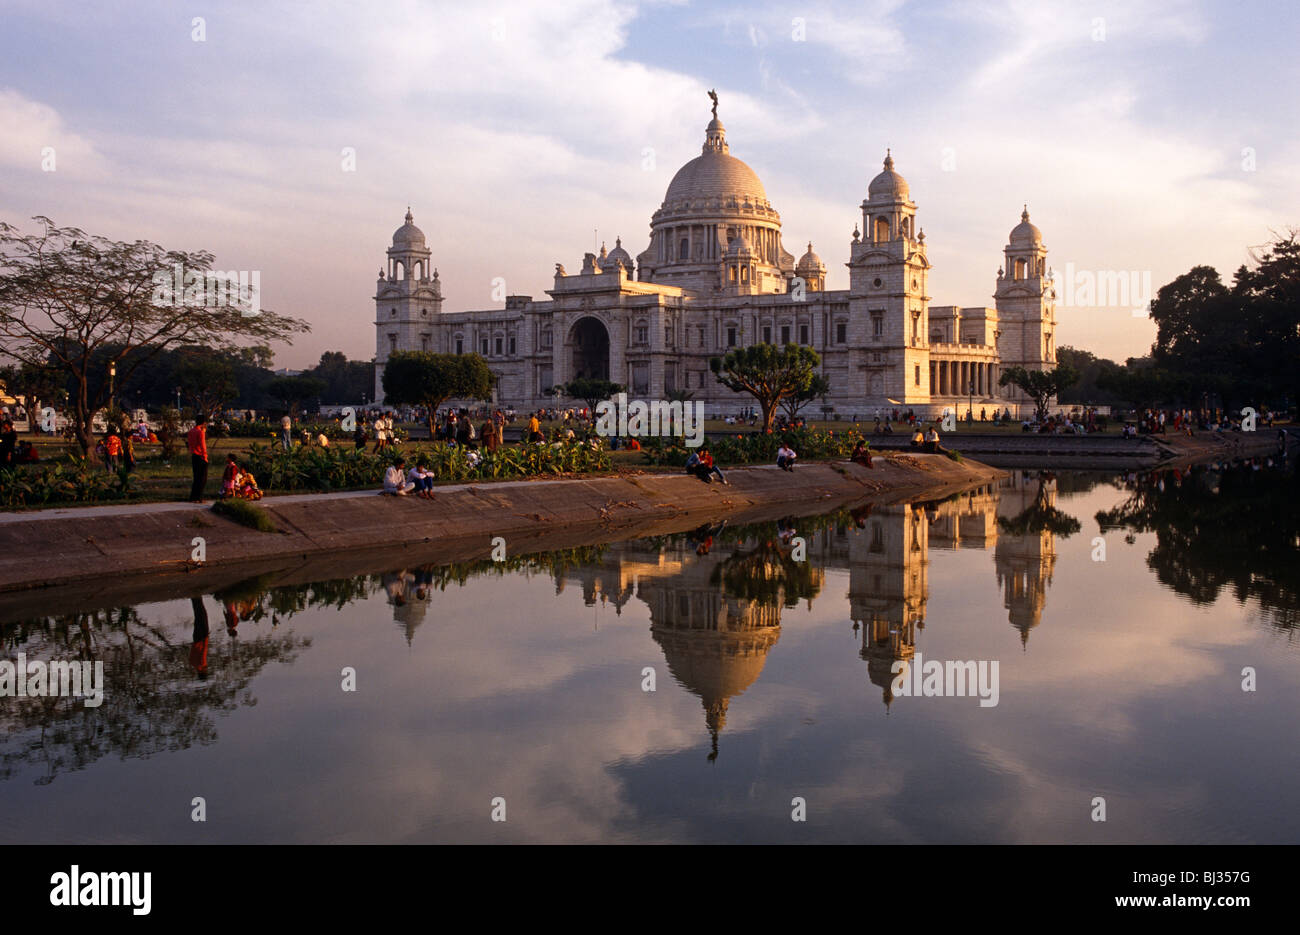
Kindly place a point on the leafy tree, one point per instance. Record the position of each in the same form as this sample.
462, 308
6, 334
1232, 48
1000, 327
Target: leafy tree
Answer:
207, 378
1093, 372
768, 373
589, 390
1141, 384
819, 386
1239, 342
294, 391
1040, 385
35, 384
65, 295
422, 378
346, 381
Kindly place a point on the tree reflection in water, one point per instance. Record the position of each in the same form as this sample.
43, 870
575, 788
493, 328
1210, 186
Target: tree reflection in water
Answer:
163, 687
1226, 525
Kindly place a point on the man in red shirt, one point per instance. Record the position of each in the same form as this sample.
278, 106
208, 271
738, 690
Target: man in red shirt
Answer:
197, 440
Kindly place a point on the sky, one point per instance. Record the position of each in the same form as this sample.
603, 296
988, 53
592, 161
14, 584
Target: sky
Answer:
1145, 137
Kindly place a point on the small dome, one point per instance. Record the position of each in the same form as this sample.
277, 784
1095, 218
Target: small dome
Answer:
889, 183
619, 255
739, 246
1024, 232
811, 261
408, 235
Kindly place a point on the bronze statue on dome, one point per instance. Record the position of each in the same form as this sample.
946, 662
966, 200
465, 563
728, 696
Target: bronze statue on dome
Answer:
713, 96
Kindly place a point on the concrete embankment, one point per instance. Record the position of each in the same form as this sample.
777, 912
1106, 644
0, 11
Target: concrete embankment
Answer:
61, 560
1096, 452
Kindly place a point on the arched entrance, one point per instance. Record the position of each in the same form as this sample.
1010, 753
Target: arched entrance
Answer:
588, 350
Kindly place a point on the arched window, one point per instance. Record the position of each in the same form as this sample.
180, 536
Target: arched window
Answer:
1021, 269
907, 227
882, 230
683, 252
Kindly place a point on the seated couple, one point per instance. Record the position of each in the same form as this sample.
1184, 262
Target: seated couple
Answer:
700, 463
236, 482
861, 454
928, 442
399, 483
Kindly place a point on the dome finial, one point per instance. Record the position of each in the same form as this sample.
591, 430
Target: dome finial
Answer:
1024, 215
410, 219
889, 159
713, 96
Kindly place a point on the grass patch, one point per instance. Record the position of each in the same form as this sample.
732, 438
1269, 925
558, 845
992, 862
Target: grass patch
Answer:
953, 454
246, 514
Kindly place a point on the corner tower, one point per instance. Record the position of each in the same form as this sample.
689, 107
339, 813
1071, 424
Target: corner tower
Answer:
888, 294
1026, 302
408, 300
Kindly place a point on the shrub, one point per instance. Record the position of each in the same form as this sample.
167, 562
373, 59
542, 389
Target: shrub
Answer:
245, 514
82, 482
339, 468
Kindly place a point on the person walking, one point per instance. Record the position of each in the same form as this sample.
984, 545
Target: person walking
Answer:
197, 442
286, 432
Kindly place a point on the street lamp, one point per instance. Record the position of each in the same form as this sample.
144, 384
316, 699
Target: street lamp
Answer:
178, 400
112, 374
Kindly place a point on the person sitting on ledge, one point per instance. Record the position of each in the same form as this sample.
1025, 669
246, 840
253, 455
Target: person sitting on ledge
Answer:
932, 440
248, 489
421, 480
394, 483
705, 468
861, 454
785, 457
917, 438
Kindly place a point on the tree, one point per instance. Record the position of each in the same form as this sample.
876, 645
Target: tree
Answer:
1040, 385
35, 384
206, 377
294, 391
1093, 371
589, 390
422, 378
346, 381
1240, 342
768, 373
65, 295
819, 386
1141, 384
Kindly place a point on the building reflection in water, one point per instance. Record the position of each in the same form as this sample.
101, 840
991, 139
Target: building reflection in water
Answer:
716, 613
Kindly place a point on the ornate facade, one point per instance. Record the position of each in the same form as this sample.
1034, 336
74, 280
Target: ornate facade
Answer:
716, 276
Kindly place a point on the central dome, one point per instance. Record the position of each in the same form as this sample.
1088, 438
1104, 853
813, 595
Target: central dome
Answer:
715, 174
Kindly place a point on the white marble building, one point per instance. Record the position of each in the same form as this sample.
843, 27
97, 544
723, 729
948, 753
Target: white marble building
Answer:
716, 275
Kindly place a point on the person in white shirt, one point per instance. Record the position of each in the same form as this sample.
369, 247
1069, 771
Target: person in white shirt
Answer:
421, 480
785, 457
394, 482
